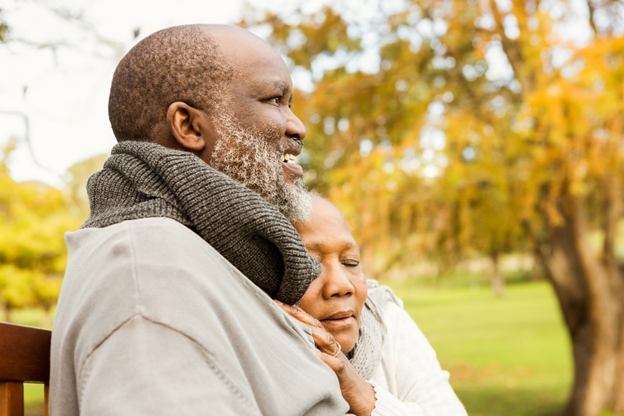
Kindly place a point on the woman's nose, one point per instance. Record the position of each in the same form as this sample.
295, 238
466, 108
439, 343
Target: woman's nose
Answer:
337, 282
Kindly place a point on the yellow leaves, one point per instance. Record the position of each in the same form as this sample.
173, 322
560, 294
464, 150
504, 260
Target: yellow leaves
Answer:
307, 36
22, 287
33, 220
515, 146
16, 285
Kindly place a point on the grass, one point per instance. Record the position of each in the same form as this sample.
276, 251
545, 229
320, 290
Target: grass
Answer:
507, 356
33, 400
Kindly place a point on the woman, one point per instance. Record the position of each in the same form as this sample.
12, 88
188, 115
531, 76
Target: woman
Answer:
384, 363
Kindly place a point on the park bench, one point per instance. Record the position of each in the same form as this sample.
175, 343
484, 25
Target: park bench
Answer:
24, 357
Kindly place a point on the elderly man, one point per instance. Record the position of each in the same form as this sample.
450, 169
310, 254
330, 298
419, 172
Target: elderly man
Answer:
167, 302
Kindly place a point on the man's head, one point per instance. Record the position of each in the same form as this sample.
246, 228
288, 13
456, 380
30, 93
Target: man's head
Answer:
221, 93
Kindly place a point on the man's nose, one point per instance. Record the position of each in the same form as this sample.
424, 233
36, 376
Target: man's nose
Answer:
294, 126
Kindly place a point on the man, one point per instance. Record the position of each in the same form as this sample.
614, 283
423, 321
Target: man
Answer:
166, 307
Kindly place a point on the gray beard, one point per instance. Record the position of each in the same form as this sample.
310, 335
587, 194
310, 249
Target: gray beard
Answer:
251, 158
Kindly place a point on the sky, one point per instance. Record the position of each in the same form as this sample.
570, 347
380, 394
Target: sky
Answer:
55, 76
56, 73
61, 90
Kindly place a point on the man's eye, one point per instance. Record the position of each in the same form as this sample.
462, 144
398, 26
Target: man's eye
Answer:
351, 263
275, 100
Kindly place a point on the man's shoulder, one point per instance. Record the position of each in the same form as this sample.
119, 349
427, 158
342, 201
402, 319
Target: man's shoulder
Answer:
132, 242
131, 252
159, 228
155, 268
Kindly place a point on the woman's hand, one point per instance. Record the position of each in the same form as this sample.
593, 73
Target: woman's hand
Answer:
356, 391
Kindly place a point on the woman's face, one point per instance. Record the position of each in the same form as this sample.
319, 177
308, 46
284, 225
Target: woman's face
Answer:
337, 296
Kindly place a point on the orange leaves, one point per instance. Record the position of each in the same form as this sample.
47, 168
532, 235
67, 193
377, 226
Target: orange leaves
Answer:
479, 117
303, 37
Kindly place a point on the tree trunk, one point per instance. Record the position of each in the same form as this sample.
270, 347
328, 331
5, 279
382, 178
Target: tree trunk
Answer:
498, 284
617, 399
46, 321
7, 313
590, 295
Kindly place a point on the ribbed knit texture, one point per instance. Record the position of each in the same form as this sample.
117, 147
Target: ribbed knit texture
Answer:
388, 405
144, 180
366, 355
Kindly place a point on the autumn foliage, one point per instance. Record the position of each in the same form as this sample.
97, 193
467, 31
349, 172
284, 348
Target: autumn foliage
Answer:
449, 127
442, 129
33, 220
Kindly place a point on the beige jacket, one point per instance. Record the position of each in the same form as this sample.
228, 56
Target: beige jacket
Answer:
153, 321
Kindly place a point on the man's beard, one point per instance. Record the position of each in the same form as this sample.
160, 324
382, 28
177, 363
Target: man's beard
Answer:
253, 159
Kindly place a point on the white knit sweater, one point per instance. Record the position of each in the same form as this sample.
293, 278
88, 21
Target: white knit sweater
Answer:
409, 379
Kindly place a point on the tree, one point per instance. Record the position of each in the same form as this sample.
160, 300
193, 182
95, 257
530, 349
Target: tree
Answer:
478, 125
76, 179
46, 290
33, 220
4, 27
15, 289
35, 216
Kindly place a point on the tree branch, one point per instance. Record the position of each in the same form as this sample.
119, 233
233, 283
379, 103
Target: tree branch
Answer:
592, 10
511, 47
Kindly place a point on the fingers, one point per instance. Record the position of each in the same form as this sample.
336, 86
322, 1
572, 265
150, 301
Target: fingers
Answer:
322, 339
335, 363
358, 392
326, 342
299, 314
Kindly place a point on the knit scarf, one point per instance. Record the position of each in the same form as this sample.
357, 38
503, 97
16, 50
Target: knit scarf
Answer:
366, 355
145, 180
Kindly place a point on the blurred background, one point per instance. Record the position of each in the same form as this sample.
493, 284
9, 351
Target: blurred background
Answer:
475, 147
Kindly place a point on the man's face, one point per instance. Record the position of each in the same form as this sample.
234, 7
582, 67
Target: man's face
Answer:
258, 136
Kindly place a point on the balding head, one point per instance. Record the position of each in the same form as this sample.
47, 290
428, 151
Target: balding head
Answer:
191, 64
221, 93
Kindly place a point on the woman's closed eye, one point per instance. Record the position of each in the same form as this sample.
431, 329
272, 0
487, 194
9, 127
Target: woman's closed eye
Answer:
350, 262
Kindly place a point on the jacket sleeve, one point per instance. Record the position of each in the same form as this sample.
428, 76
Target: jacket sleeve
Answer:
146, 368
422, 387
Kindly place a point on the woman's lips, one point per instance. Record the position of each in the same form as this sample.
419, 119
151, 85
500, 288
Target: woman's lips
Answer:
339, 319
339, 322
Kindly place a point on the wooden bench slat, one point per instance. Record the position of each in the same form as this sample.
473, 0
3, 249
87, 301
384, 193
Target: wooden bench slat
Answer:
24, 353
11, 398
46, 399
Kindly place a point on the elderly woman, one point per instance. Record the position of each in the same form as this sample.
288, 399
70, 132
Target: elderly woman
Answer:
385, 365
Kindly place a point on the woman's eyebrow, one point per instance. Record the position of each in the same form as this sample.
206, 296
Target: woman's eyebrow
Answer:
315, 245
349, 245
320, 244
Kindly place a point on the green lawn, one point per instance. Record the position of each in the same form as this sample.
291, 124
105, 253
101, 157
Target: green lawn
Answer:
507, 356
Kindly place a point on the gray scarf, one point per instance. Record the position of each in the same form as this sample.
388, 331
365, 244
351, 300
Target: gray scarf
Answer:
144, 180
366, 355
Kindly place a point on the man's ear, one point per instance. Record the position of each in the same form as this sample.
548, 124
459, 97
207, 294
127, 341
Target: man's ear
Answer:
190, 127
